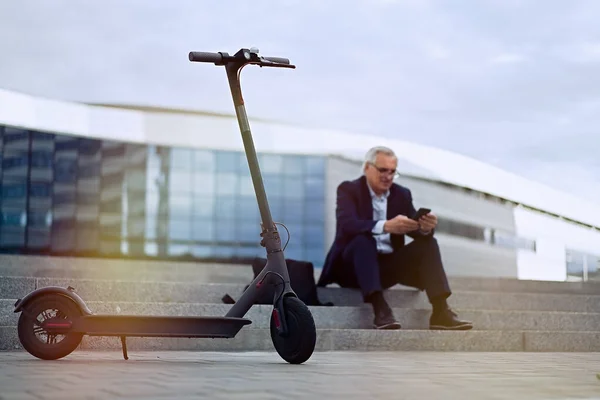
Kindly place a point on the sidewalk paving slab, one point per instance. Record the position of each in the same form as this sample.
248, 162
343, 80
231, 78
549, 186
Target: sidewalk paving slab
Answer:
334, 375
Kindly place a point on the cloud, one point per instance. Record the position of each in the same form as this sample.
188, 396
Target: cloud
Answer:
436, 51
589, 52
507, 58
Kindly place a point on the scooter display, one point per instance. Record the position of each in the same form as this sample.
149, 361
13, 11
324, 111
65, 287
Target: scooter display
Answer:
54, 319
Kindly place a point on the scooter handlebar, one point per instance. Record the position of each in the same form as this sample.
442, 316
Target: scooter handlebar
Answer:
252, 58
202, 56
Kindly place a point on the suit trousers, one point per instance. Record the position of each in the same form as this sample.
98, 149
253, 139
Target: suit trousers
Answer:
417, 264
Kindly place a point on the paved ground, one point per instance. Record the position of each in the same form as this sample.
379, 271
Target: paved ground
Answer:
372, 375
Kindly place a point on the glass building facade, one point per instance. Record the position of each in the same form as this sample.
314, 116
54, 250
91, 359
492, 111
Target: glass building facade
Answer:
67, 195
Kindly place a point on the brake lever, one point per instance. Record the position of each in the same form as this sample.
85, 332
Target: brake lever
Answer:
267, 63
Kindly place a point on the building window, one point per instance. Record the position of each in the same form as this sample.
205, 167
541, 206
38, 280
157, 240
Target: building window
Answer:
488, 235
583, 266
456, 228
505, 239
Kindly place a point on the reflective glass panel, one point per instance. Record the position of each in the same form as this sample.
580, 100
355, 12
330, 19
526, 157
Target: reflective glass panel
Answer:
228, 161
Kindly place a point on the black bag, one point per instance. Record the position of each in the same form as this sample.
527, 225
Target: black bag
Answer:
302, 280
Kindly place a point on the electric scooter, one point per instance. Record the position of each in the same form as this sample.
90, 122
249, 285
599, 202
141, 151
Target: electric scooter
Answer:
57, 312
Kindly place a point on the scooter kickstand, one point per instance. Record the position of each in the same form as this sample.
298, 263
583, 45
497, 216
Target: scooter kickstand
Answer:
124, 344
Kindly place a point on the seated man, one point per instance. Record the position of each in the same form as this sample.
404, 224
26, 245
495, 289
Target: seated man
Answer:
369, 251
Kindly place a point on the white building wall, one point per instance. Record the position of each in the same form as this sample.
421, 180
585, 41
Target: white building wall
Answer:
460, 206
471, 258
553, 236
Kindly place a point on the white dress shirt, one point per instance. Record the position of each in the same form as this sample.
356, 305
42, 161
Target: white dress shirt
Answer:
383, 240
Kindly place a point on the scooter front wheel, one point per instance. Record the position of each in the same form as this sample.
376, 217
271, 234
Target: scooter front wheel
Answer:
299, 344
35, 332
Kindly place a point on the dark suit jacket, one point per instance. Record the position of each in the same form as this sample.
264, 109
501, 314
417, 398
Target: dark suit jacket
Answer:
354, 214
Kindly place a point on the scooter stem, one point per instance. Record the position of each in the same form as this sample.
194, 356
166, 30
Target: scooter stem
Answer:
233, 76
276, 264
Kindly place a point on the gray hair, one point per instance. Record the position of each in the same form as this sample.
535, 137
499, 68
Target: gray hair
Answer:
371, 155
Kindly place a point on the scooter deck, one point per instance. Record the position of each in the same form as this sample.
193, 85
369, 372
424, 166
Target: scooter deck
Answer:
158, 326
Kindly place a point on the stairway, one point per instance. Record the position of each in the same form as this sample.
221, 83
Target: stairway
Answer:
508, 315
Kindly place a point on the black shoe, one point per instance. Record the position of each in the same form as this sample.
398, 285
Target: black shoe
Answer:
447, 320
384, 317
386, 320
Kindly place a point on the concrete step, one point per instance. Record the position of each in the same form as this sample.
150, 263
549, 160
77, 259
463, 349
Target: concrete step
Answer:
399, 296
350, 317
182, 271
354, 340
206, 272
508, 285
122, 269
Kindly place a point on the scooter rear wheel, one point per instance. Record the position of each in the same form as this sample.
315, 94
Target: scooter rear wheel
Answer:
40, 342
298, 346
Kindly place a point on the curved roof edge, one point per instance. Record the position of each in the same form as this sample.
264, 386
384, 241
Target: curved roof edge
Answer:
196, 129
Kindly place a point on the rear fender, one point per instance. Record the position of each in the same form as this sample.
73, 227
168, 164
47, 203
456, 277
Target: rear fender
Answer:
68, 292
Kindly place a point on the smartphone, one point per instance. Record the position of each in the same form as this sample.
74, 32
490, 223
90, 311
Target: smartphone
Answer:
421, 212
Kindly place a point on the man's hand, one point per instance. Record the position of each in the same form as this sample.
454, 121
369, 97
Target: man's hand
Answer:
400, 225
428, 222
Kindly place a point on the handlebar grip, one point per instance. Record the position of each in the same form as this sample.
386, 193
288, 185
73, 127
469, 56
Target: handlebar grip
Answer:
278, 60
201, 56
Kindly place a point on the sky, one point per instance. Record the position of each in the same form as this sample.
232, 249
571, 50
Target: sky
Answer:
512, 83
